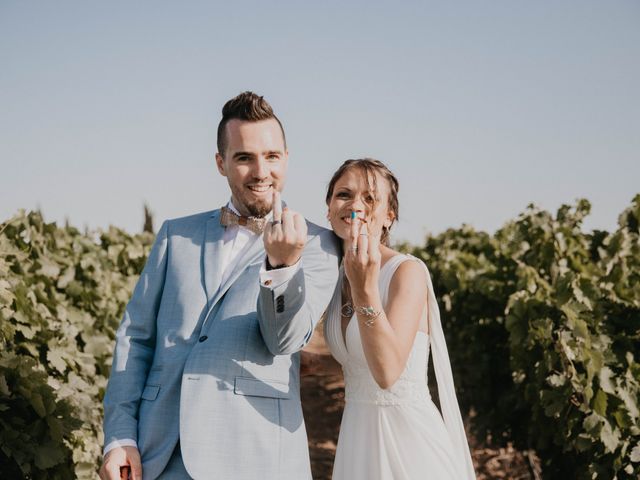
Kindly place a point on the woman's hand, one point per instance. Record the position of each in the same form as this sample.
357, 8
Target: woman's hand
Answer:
362, 259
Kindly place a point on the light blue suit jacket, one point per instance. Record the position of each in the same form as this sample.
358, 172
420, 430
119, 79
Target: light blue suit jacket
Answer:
217, 365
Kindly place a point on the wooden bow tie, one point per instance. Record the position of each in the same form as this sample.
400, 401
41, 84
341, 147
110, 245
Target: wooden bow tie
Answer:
229, 217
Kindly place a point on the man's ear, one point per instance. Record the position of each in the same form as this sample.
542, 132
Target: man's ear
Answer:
220, 165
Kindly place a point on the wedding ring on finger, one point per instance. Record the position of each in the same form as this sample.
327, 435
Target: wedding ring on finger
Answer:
276, 222
354, 249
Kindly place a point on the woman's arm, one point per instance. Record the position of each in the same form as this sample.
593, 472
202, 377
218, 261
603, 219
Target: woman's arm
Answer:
388, 341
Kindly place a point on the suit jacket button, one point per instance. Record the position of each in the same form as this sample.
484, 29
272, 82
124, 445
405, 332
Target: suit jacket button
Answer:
202, 338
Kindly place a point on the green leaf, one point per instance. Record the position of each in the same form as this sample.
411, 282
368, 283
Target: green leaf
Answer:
4, 387
592, 424
38, 404
600, 403
635, 454
55, 358
610, 437
49, 455
48, 268
556, 380
605, 375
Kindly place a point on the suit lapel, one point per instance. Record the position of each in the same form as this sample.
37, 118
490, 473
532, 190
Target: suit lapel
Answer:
250, 255
212, 255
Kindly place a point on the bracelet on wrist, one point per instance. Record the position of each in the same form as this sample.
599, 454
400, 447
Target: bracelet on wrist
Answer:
368, 311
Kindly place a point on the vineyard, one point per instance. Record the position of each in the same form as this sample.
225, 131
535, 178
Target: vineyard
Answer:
542, 322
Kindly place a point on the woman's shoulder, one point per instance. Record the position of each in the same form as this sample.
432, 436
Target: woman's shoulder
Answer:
407, 270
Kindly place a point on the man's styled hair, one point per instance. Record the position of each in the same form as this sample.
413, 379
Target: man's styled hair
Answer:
248, 107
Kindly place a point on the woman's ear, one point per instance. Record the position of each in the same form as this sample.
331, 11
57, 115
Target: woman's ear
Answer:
389, 220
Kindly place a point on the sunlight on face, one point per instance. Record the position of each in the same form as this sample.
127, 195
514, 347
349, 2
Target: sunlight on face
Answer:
354, 192
255, 164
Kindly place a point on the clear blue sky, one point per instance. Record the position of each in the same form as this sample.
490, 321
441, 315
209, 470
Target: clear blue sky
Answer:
479, 107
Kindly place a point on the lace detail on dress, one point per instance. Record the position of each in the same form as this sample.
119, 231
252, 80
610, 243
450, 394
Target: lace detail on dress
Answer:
410, 388
360, 389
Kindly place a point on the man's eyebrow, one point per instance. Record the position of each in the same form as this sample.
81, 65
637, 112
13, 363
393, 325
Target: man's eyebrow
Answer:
243, 154
272, 152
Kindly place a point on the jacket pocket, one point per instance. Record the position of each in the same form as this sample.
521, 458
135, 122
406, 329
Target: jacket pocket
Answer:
150, 392
261, 388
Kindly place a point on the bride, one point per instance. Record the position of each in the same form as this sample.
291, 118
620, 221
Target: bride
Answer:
380, 326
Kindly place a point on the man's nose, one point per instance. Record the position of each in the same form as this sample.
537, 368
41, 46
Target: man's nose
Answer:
260, 168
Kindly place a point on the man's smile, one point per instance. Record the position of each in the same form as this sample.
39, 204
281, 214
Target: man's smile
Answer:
260, 188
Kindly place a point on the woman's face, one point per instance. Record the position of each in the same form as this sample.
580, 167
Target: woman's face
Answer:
352, 193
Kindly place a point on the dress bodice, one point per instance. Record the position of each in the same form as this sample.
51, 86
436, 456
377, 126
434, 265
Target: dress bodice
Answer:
360, 386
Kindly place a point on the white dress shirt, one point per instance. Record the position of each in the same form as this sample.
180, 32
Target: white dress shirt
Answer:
236, 240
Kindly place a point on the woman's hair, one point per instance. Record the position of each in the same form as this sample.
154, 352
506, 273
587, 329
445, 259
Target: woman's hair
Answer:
370, 167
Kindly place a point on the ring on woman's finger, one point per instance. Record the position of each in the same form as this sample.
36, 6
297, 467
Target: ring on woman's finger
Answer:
276, 222
365, 234
354, 249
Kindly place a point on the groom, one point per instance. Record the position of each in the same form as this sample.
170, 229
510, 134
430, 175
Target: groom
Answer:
205, 375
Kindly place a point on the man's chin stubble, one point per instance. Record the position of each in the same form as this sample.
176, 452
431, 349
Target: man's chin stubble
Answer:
258, 210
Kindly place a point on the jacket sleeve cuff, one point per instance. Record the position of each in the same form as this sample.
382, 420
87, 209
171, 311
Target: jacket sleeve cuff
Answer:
125, 442
277, 277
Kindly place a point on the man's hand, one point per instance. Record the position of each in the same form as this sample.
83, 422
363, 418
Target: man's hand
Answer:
125, 458
286, 236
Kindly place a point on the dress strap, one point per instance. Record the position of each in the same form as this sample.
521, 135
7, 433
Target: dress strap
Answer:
386, 274
446, 387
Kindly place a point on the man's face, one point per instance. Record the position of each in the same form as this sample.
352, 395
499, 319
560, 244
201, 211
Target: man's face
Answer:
255, 164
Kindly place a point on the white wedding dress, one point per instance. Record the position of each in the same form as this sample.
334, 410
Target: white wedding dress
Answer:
397, 433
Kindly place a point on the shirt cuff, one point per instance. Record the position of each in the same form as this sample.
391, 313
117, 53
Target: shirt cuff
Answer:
125, 442
275, 278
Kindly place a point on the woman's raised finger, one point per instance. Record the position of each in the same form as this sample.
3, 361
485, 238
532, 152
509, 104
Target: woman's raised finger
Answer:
355, 230
363, 242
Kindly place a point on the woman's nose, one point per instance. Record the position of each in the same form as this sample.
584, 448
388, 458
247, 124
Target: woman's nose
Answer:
358, 207
357, 204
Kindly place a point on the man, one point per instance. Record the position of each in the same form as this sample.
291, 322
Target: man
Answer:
205, 374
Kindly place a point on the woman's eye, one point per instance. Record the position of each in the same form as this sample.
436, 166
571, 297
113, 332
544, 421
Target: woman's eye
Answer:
342, 195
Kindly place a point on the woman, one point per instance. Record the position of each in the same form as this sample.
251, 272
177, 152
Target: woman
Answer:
379, 326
